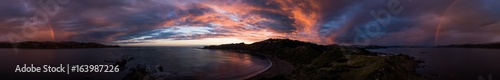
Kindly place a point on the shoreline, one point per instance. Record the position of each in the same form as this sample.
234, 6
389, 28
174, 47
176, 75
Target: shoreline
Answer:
278, 67
260, 72
293, 59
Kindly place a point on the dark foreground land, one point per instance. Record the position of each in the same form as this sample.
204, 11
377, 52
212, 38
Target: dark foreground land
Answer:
53, 45
299, 60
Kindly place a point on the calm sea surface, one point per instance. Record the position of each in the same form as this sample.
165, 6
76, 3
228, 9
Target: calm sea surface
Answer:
177, 62
454, 63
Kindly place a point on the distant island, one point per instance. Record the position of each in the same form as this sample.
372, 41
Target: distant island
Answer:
53, 45
488, 45
385, 47
293, 59
371, 46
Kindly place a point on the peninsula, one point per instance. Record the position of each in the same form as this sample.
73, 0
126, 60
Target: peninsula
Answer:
293, 59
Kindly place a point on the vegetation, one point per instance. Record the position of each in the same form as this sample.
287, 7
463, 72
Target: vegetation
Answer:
53, 45
312, 61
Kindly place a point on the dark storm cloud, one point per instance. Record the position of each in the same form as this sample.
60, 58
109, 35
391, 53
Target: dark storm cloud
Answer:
284, 23
12, 9
106, 21
416, 25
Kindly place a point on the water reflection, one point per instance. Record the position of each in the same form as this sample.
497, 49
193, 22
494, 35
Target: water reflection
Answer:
175, 62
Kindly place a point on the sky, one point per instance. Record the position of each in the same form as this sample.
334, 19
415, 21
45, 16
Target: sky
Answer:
209, 22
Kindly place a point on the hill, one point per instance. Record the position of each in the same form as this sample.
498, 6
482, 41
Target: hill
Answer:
312, 61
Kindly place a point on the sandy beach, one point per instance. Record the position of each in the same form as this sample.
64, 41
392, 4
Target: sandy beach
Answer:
278, 67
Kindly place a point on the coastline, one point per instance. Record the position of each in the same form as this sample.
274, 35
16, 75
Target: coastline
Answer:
278, 67
294, 59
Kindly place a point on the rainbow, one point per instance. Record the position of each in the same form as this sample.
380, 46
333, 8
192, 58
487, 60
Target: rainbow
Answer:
438, 27
51, 31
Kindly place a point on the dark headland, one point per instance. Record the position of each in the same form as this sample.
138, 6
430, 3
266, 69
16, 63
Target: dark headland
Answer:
53, 45
300, 60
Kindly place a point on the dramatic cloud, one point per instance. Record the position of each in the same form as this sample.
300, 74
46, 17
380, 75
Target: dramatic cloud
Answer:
419, 22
